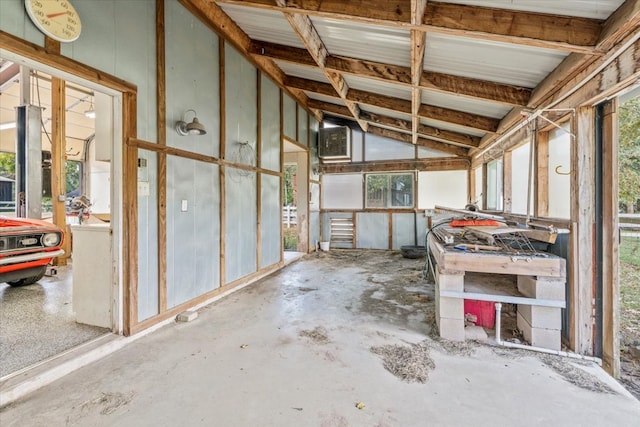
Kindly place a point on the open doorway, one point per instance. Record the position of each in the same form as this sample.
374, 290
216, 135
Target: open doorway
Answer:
295, 227
77, 299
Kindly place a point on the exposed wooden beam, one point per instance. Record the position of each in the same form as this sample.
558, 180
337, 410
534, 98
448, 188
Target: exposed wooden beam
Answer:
303, 26
377, 100
423, 142
619, 23
473, 121
281, 52
311, 86
436, 164
328, 107
375, 70
528, 28
534, 29
428, 131
418, 44
483, 89
214, 17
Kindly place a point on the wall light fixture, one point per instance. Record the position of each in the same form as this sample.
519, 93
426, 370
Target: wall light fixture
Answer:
193, 128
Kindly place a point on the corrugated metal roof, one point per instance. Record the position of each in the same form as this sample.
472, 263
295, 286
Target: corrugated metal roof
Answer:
356, 40
490, 60
596, 9
463, 103
383, 112
378, 86
262, 24
302, 71
448, 126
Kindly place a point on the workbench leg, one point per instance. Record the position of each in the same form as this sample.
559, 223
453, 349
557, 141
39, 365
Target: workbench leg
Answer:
541, 326
450, 311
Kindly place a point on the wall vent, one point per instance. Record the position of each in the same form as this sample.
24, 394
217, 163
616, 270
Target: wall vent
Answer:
334, 144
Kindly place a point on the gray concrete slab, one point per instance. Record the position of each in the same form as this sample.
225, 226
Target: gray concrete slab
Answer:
37, 322
295, 349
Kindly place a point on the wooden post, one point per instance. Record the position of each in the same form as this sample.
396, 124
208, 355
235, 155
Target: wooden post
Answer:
507, 181
610, 243
162, 157
58, 160
541, 178
582, 214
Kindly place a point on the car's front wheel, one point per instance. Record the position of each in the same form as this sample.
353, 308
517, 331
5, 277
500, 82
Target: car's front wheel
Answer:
39, 274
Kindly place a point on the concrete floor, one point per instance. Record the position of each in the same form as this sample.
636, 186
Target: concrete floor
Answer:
294, 349
37, 322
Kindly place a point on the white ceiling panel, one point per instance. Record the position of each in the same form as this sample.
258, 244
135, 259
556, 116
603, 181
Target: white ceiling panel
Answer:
490, 60
262, 24
463, 103
378, 87
356, 40
596, 9
302, 71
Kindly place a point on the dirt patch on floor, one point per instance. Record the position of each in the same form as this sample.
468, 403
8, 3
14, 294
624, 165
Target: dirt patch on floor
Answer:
410, 363
317, 335
104, 403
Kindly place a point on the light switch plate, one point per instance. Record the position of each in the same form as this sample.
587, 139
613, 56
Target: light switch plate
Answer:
184, 205
143, 188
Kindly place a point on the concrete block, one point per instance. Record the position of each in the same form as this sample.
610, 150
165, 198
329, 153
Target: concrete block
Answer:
539, 337
451, 329
450, 281
542, 287
452, 308
541, 317
187, 316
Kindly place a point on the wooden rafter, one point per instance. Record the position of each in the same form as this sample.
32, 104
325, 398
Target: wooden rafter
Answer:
423, 130
339, 110
422, 142
303, 26
528, 28
418, 44
437, 164
475, 88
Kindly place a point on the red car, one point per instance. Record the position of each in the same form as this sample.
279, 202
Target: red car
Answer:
27, 246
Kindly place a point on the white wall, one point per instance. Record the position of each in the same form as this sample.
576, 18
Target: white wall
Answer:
520, 179
342, 191
444, 188
559, 183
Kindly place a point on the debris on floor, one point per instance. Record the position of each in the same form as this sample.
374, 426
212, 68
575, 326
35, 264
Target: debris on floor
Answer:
410, 363
360, 405
318, 335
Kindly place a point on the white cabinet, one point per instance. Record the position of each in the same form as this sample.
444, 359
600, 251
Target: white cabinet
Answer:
92, 274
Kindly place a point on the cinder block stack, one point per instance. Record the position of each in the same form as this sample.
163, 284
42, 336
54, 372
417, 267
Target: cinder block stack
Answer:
541, 325
450, 311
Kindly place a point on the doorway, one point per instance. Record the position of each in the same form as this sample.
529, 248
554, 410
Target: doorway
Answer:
58, 313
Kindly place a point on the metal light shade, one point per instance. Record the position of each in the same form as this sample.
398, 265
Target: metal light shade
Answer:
194, 128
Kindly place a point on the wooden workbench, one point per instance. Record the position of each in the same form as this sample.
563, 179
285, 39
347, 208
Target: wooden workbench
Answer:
538, 292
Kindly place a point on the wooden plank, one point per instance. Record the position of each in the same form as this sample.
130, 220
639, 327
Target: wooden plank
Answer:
377, 100
311, 86
476, 88
582, 213
541, 177
621, 22
129, 214
507, 180
528, 28
434, 164
610, 242
281, 52
418, 44
473, 121
492, 263
328, 107
58, 158
375, 70
161, 113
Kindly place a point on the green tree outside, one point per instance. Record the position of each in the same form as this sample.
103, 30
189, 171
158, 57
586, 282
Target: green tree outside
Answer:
629, 156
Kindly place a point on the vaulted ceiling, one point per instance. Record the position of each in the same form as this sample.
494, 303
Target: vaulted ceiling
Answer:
449, 76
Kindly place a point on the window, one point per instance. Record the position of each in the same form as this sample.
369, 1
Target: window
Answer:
389, 191
494, 185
